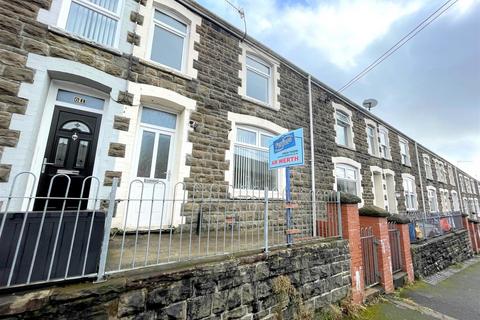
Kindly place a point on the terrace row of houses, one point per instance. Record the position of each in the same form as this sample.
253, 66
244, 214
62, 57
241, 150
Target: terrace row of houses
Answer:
165, 91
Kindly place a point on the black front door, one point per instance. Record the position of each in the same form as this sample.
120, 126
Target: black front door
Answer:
70, 150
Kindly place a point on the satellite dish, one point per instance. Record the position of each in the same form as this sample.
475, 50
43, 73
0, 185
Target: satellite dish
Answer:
369, 103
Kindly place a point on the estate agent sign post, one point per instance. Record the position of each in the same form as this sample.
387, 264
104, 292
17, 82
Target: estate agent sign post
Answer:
286, 151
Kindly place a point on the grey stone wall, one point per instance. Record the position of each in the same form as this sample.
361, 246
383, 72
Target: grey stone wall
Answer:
239, 288
439, 253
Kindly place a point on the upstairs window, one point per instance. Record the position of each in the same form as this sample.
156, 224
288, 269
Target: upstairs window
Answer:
258, 79
432, 199
96, 20
451, 176
342, 128
384, 143
372, 140
404, 152
410, 193
169, 40
250, 162
477, 206
473, 187
462, 184
428, 167
468, 186
347, 179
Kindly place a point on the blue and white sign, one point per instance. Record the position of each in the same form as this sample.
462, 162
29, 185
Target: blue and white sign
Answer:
286, 150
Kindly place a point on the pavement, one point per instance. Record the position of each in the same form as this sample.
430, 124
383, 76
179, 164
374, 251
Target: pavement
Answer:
449, 295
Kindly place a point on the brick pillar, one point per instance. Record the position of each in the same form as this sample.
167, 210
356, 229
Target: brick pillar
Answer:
351, 232
473, 237
380, 230
477, 235
406, 252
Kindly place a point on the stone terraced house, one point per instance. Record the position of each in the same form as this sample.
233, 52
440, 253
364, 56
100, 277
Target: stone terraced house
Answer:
164, 90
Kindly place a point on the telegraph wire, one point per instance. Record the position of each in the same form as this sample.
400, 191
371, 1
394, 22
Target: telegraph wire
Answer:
241, 12
427, 21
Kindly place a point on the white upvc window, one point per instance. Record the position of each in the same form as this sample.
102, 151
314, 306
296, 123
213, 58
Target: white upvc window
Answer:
451, 176
466, 205
472, 183
462, 183
468, 186
372, 137
428, 166
404, 152
259, 79
455, 201
95, 20
445, 201
250, 161
410, 192
432, 199
477, 206
384, 143
343, 128
170, 39
347, 179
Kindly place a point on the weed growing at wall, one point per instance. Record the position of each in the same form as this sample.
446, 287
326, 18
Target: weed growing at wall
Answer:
289, 301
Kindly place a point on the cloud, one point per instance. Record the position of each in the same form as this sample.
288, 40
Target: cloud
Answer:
340, 31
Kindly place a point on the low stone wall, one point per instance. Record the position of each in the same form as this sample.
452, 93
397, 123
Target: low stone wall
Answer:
239, 288
439, 253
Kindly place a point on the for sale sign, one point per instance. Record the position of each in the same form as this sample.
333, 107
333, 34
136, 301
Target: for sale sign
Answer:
287, 150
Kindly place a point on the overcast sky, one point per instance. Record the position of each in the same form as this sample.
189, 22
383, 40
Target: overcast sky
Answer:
429, 89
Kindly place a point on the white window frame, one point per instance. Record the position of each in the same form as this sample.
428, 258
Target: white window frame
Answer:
348, 167
352, 163
267, 76
468, 186
384, 131
406, 161
258, 132
445, 201
428, 166
372, 149
65, 9
466, 206
350, 134
408, 193
242, 120
451, 175
263, 58
185, 36
455, 201
472, 183
477, 206
432, 197
472, 205
462, 183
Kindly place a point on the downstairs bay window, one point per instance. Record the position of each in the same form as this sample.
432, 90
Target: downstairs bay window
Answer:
250, 160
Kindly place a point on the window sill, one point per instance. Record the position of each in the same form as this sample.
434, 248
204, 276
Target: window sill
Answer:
259, 103
69, 35
407, 165
346, 147
388, 159
165, 68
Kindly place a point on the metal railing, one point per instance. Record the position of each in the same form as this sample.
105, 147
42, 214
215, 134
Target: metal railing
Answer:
395, 247
370, 257
74, 237
426, 225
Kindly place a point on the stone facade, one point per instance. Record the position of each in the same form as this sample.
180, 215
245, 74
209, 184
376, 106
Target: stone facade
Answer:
236, 289
213, 88
439, 253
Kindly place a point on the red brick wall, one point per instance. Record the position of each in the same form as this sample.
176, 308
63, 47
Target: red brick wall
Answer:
380, 230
